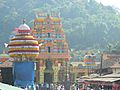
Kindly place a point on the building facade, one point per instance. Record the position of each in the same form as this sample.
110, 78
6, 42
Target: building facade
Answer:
5, 69
53, 53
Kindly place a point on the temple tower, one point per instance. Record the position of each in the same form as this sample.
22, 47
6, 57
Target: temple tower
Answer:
53, 53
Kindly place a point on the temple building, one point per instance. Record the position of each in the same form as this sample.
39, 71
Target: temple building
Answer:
53, 53
5, 69
116, 67
23, 48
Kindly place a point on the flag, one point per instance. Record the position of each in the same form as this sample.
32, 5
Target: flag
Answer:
5, 44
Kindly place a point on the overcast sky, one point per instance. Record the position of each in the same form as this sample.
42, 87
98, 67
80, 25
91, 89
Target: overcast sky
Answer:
115, 3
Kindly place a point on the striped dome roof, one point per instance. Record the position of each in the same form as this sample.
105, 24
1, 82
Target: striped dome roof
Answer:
24, 27
23, 44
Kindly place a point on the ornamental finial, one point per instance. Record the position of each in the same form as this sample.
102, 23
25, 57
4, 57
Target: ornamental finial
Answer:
24, 21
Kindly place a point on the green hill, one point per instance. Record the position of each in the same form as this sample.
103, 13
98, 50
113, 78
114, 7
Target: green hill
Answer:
87, 23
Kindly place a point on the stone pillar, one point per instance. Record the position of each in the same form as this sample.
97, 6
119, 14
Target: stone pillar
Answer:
41, 71
75, 76
56, 69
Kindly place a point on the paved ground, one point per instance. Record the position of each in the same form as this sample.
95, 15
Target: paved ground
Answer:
8, 87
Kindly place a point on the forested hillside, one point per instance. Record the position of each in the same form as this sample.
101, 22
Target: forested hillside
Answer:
87, 23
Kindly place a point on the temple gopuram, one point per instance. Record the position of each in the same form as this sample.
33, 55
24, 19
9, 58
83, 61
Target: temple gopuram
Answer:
53, 53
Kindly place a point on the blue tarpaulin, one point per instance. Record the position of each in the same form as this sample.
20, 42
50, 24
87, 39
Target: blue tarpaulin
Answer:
23, 73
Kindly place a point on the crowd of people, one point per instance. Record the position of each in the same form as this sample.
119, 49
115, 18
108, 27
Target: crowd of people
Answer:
64, 86
47, 86
54, 86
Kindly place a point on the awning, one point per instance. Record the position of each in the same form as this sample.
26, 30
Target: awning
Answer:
104, 79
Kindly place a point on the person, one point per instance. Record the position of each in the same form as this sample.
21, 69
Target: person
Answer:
41, 87
44, 86
32, 87
51, 86
62, 87
76, 86
26, 88
37, 87
67, 85
47, 86
88, 88
59, 87
29, 87
102, 87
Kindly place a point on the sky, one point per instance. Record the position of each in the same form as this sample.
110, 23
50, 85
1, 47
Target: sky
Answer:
115, 3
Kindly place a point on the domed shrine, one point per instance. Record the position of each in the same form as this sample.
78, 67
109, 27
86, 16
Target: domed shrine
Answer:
23, 44
24, 49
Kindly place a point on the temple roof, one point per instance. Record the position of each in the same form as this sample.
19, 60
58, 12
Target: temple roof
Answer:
23, 44
24, 27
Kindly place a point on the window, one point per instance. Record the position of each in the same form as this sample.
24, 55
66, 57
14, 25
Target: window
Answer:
48, 35
48, 49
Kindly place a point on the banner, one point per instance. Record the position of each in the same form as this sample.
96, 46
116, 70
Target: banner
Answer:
23, 74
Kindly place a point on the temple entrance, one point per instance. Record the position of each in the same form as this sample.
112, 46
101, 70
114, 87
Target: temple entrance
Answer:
48, 78
61, 75
48, 73
6, 74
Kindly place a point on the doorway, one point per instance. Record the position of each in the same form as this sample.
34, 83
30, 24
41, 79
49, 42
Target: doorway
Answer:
48, 73
7, 75
48, 77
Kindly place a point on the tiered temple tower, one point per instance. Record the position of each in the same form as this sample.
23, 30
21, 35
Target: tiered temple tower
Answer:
90, 63
53, 53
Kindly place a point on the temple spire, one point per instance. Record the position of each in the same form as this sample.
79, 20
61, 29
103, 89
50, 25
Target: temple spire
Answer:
24, 20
